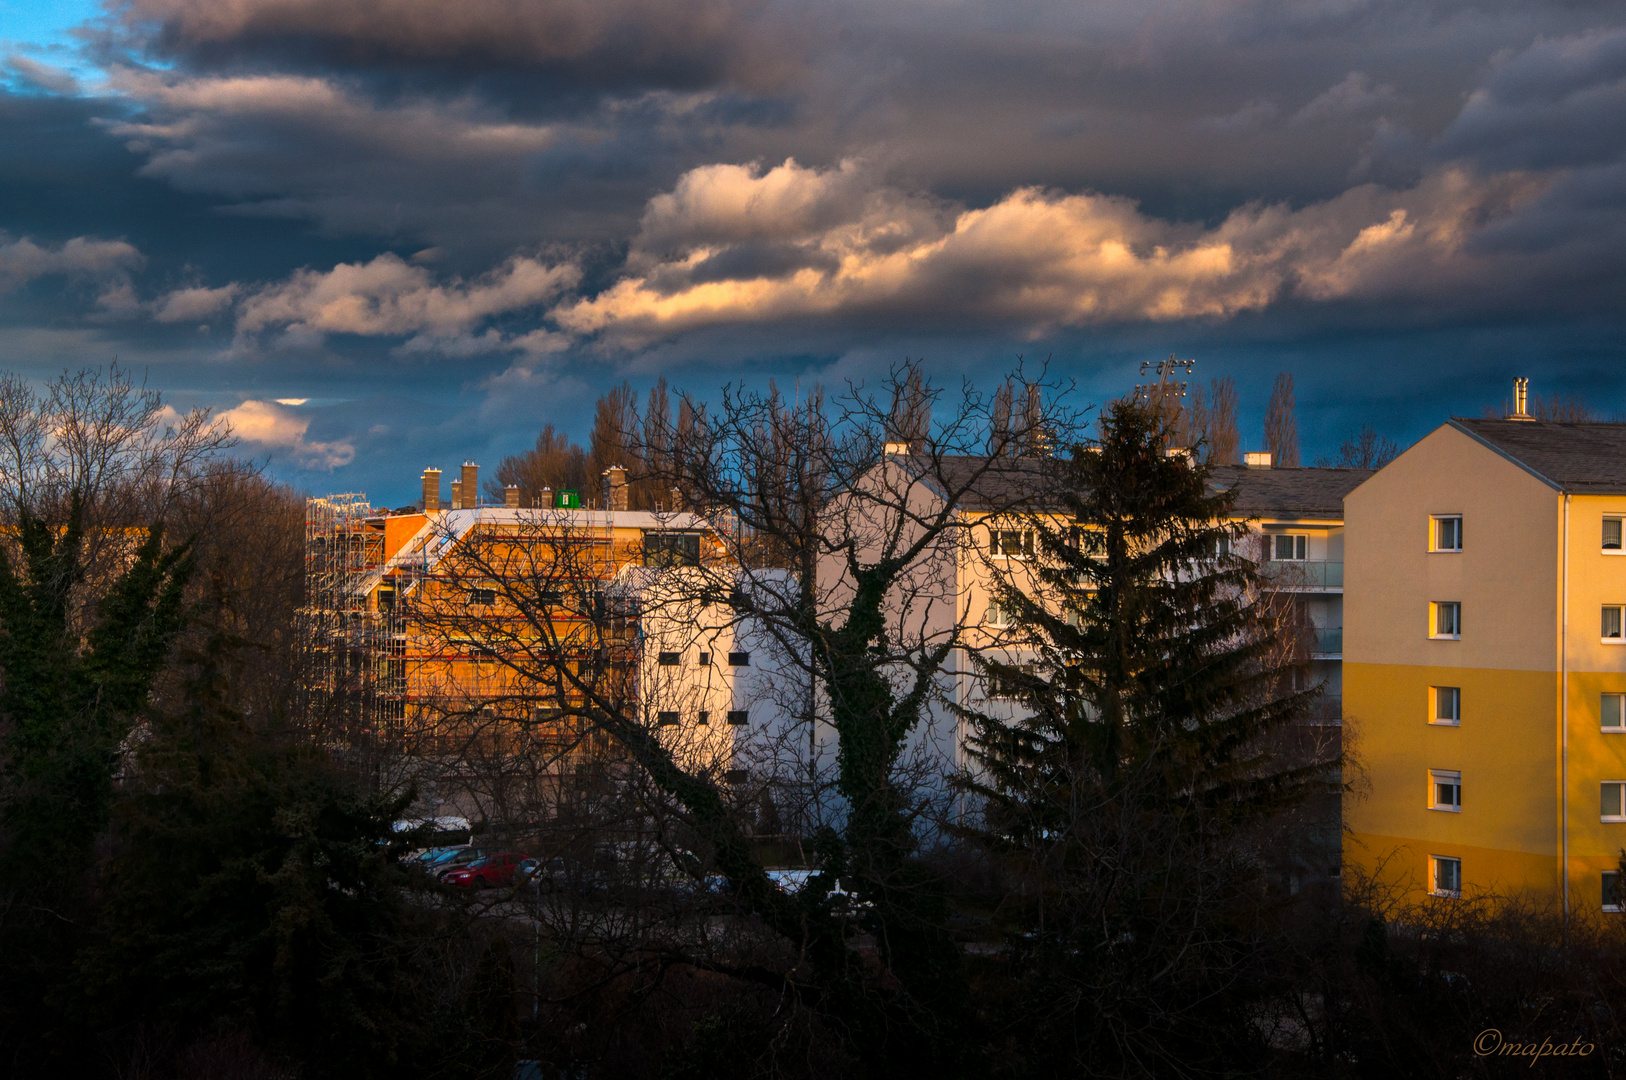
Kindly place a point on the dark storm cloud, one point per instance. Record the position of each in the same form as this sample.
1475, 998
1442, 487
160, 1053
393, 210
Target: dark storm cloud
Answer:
603, 43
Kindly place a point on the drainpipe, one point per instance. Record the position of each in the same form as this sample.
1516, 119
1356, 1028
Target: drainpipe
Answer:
1564, 720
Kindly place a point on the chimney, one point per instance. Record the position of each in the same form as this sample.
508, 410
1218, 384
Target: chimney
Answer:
615, 488
510, 496
471, 485
457, 494
431, 490
1257, 459
544, 498
1521, 400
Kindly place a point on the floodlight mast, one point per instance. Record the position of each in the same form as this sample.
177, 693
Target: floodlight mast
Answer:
1163, 388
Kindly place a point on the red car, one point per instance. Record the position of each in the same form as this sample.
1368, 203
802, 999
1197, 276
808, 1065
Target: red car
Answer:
497, 869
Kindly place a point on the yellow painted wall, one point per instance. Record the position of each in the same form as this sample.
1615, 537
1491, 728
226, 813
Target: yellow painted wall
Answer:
1507, 747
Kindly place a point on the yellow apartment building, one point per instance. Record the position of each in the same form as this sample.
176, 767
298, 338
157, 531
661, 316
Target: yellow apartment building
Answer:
1484, 663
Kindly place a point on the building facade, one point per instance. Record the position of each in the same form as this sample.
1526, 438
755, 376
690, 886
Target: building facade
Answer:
1485, 666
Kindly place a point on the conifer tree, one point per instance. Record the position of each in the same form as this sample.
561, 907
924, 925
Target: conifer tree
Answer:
1152, 703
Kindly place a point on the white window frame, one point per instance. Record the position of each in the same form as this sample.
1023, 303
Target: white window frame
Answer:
1619, 727
997, 615
1603, 891
1434, 607
996, 543
1434, 864
1602, 541
1620, 801
1619, 636
1434, 523
1434, 716
1300, 545
1436, 777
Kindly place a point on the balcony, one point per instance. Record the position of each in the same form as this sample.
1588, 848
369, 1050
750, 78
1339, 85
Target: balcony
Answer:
1327, 642
1304, 575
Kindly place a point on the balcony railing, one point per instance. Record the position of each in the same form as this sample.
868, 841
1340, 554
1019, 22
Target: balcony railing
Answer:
1328, 641
1311, 575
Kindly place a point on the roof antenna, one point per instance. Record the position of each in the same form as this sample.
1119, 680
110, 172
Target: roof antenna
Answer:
1521, 400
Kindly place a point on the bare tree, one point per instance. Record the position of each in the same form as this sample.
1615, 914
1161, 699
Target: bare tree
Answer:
1366, 449
1224, 443
553, 463
1281, 425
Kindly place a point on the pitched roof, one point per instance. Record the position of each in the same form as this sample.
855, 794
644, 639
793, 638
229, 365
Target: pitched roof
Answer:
1577, 458
1289, 492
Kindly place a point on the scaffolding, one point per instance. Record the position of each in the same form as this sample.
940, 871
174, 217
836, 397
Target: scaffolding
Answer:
354, 676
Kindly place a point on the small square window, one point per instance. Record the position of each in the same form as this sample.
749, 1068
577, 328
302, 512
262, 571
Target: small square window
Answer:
1613, 712
704, 719
1447, 705
1612, 800
739, 659
1612, 622
669, 659
1447, 619
999, 613
1447, 874
738, 717
1290, 548
666, 719
705, 659
1447, 532
1612, 534
1445, 791
1611, 890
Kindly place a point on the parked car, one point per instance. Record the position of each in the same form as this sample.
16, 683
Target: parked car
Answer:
493, 870
541, 873
440, 860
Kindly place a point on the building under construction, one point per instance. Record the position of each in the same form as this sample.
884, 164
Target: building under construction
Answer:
354, 666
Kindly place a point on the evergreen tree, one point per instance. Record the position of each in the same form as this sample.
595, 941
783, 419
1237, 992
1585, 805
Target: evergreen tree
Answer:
1122, 799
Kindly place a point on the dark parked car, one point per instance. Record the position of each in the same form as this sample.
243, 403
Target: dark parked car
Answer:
493, 870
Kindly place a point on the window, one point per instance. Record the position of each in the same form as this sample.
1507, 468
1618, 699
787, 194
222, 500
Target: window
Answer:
739, 659
1612, 533
1611, 890
1447, 533
704, 718
1612, 800
1612, 623
666, 719
1008, 685
738, 717
1074, 617
705, 659
1010, 543
999, 613
1290, 548
1445, 791
1447, 705
1613, 712
1446, 619
1092, 542
1447, 874
482, 597
671, 549
669, 659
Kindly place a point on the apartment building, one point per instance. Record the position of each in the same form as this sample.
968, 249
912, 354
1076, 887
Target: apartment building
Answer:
1485, 667
472, 631
1295, 522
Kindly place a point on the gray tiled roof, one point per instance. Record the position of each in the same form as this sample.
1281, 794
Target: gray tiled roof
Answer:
1292, 493
1578, 458
1289, 492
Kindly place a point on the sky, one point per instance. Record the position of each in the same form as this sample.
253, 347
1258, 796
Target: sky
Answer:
380, 235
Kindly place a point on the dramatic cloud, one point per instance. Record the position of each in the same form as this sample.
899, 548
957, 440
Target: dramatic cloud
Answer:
191, 305
390, 297
605, 41
23, 260
736, 245
272, 427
